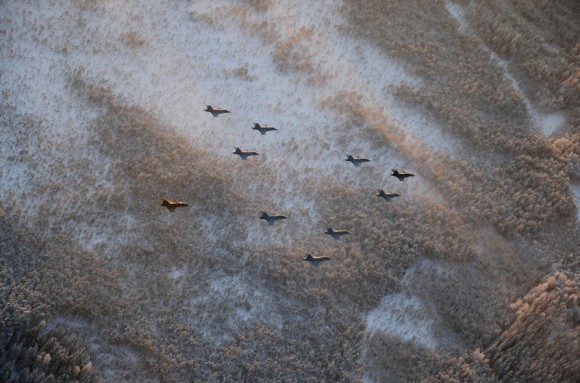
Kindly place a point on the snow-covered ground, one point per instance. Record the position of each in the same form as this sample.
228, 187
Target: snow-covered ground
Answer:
404, 316
173, 58
183, 65
407, 316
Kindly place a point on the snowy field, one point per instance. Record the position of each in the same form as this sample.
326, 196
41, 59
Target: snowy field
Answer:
103, 115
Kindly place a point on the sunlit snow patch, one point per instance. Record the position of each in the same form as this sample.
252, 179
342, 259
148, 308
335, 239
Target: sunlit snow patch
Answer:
576, 196
458, 14
550, 122
405, 316
411, 317
176, 273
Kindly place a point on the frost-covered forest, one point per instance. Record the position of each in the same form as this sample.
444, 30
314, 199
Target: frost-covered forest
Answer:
471, 274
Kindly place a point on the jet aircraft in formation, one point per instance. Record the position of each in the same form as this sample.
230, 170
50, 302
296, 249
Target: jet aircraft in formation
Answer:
244, 154
271, 219
315, 260
172, 205
356, 161
387, 196
336, 233
263, 128
401, 175
215, 111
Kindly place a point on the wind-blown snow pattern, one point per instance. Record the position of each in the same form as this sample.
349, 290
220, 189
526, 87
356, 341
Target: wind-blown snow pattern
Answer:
102, 115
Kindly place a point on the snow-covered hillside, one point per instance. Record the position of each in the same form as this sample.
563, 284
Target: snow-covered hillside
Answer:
103, 115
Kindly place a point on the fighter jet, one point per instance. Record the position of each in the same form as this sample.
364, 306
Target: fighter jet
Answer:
387, 196
245, 153
215, 111
401, 175
356, 161
315, 260
336, 233
171, 205
271, 219
263, 128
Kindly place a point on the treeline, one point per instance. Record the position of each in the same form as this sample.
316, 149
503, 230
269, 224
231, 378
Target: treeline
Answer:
30, 352
539, 346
